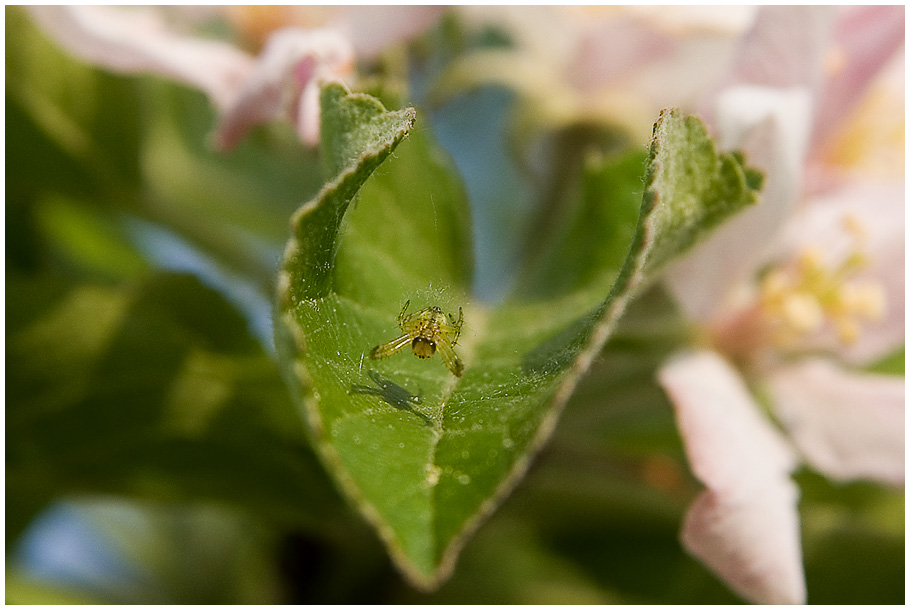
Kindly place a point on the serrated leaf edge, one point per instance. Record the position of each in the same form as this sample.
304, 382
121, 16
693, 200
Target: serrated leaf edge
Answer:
630, 281
301, 383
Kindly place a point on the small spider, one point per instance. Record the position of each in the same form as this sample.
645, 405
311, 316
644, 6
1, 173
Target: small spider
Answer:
427, 330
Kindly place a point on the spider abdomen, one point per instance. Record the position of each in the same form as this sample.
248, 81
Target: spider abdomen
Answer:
422, 347
427, 331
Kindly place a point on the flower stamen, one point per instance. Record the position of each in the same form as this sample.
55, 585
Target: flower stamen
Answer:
803, 296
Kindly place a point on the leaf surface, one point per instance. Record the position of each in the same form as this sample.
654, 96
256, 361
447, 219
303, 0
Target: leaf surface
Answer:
426, 455
154, 389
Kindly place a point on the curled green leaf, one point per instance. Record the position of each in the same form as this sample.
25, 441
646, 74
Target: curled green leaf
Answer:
423, 453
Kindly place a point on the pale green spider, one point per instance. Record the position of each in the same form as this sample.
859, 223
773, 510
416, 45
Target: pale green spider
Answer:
427, 331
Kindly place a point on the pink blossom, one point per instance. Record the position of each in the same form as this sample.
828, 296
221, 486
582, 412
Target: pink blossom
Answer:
283, 81
794, 292
615, 65
138, 41
744, 463
815, 268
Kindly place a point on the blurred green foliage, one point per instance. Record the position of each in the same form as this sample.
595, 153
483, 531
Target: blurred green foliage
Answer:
147, 422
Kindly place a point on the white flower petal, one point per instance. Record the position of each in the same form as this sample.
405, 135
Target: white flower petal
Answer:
308, 114
730, 445
246, 92
785, 48
292, 60
764, 107
772, 127
753, 545
373, 29
866, 39
847, 425
138, 41
745, 525
878, 210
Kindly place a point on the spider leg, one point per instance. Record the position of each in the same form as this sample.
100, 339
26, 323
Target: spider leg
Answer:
450, 358
456, 326
387, 349
402, 319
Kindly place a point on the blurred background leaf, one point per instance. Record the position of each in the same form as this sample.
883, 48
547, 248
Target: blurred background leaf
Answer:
116, 551
154, 388
152, 452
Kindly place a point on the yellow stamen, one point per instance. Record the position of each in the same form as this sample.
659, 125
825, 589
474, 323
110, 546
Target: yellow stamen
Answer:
774, 286
870, 141
847, 329
255, 23
811, 259
802, 312
805, 295
855, 227
864, 299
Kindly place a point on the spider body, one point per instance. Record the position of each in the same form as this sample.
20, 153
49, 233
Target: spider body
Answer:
426, 331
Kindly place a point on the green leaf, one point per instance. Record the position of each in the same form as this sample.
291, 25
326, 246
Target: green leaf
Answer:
893, 364
87, 240
139, 147
232, 206
154, 389
75, 128
164, 554
590, 237
425, 455
22, 590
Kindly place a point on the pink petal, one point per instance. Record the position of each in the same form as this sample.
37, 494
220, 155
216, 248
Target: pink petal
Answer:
866, 38
660, 56
847, 425
138, 41
308, 114
279, 85
373, 29
726, 437
879, 209
772, 127
745, 525
611, 49
764, 107
753, 546
785, 48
